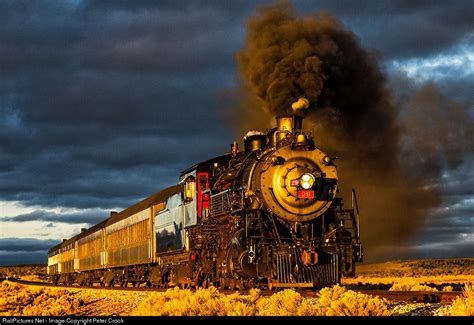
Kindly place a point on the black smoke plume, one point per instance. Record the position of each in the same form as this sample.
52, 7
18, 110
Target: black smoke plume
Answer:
387, 151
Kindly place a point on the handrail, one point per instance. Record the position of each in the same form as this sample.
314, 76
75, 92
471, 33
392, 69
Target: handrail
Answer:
356, 205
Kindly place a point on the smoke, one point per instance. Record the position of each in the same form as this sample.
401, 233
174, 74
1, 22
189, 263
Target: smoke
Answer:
286, 57
391, 149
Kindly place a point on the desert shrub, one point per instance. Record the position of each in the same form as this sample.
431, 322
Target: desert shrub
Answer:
17, 300
464, 305
282, 303
202, 302
448, 289
411, 286
209, 302
337, 301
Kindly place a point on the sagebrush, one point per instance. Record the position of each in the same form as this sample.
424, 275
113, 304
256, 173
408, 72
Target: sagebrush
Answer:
464, 305
17, 300
335, 301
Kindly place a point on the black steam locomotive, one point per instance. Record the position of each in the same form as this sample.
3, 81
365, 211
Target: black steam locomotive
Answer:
268, 216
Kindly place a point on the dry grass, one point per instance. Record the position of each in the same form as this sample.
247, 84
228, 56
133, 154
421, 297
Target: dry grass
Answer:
418, 268
434, 272
17, 300
209, 302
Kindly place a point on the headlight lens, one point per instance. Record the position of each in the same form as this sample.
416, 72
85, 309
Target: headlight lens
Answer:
307, 181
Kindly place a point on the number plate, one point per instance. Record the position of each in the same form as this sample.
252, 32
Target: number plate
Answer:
306, 194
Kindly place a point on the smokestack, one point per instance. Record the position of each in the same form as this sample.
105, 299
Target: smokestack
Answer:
298, 114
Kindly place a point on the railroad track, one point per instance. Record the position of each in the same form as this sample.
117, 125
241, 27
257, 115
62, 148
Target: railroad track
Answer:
409, 296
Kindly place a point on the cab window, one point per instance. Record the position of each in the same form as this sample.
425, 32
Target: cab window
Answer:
190, 188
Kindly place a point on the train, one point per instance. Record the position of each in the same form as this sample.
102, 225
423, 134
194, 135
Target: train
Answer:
268, 216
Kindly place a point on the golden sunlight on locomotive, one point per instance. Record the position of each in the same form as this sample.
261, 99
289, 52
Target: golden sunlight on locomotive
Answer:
267, 216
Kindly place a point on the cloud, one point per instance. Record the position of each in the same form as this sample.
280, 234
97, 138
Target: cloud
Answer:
457, 61
89, 217
22, 258
102, 105
101, 94
26, 244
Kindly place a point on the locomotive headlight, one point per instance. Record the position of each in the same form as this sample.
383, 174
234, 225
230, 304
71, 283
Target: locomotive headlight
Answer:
307, 181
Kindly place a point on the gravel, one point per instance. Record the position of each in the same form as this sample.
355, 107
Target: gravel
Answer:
419, 309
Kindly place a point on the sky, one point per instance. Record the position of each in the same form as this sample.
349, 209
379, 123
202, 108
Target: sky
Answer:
103, 103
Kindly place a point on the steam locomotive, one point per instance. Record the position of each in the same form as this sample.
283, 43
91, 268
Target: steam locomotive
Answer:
268, 216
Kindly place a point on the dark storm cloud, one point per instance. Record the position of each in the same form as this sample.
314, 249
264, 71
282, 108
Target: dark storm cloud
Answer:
440, 250
404, 28
23, 258
26, 244
89, 217
103, 104
233, 8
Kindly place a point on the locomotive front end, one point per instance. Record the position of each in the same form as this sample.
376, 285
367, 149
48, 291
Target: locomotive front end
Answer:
295, 224
296, 181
